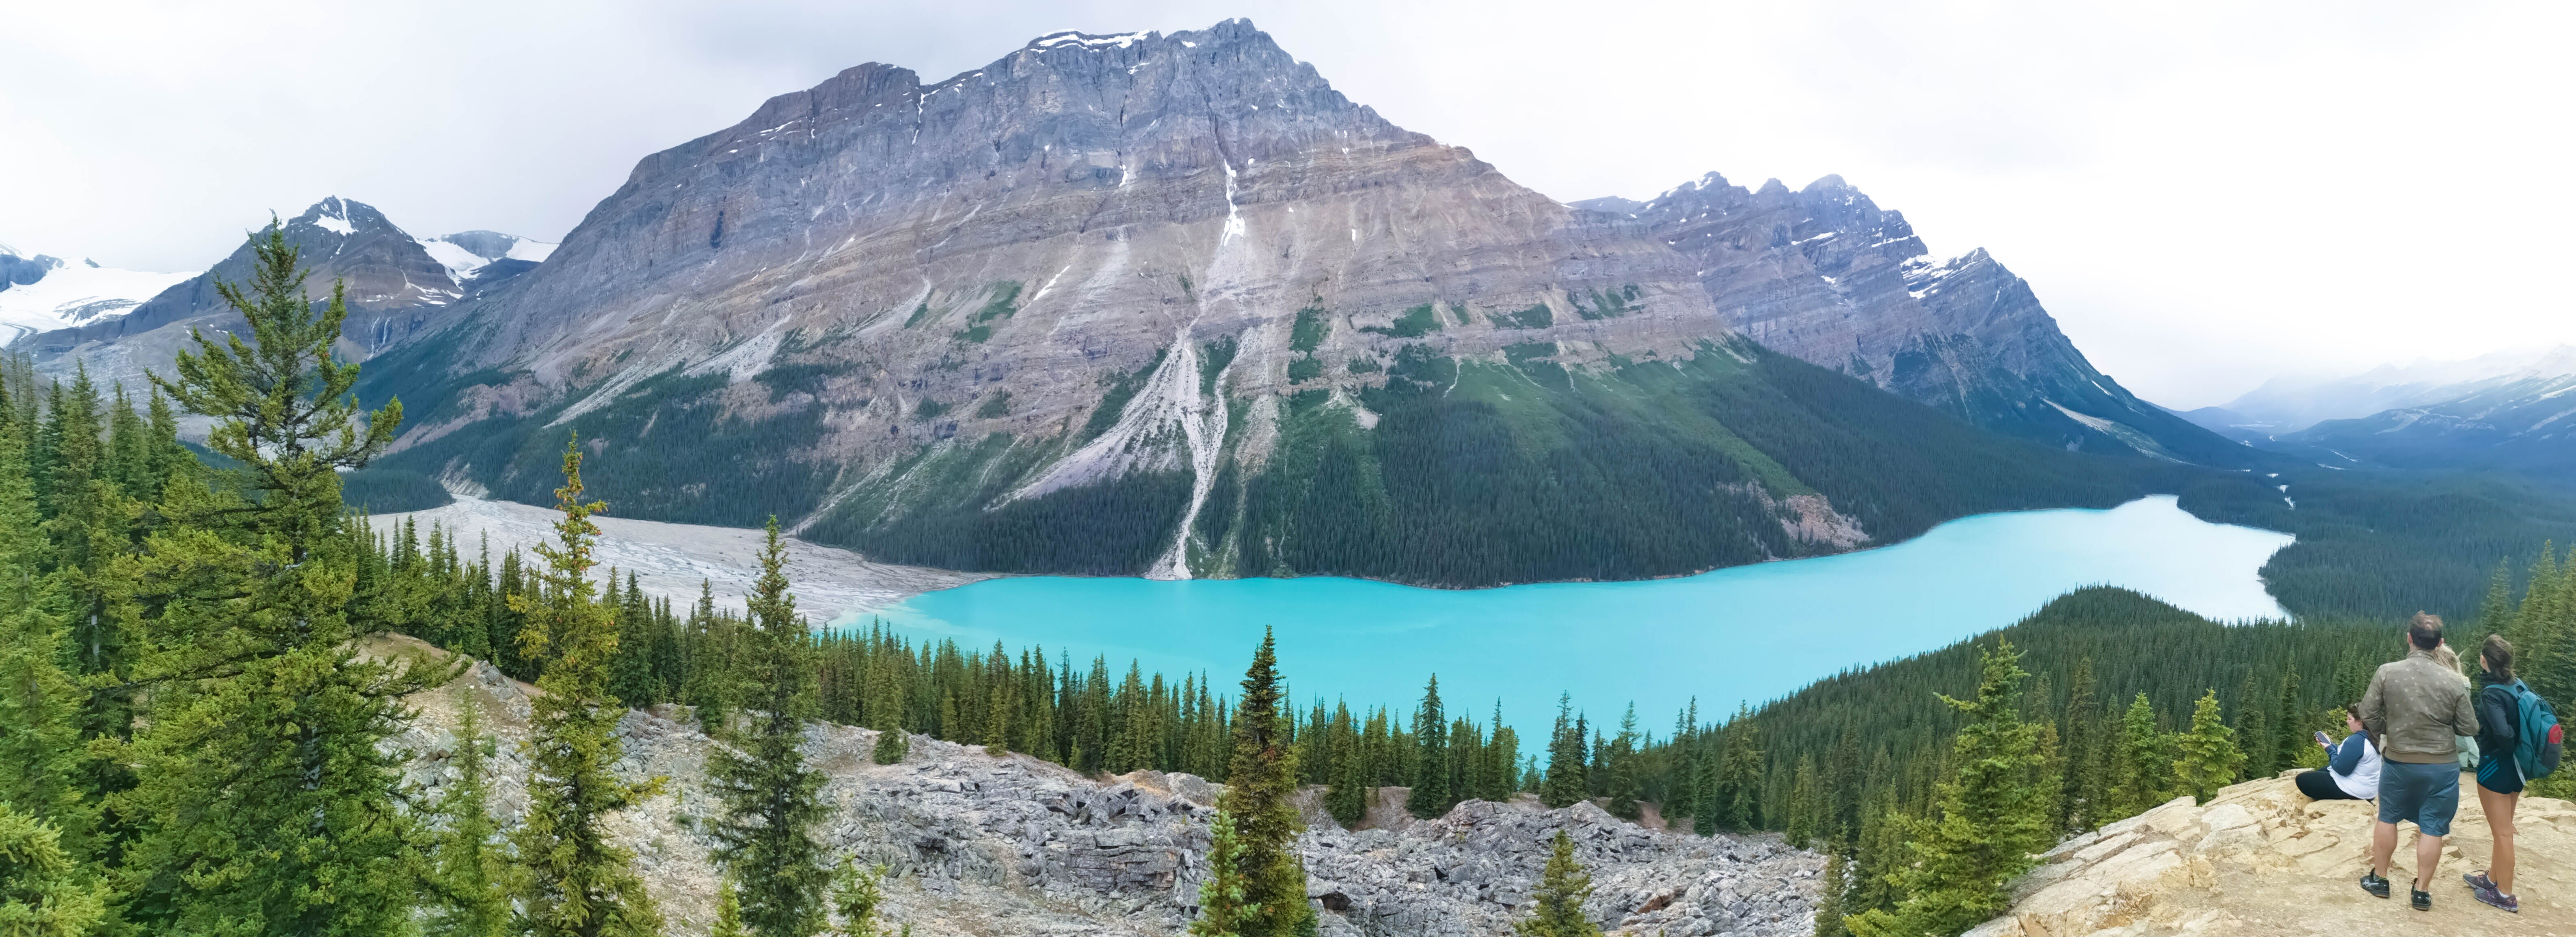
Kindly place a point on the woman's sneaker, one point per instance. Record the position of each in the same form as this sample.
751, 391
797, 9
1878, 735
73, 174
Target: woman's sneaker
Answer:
2487, 894
2375, 885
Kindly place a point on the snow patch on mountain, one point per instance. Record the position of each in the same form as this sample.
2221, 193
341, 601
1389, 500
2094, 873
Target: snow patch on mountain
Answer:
466, 253
73, 293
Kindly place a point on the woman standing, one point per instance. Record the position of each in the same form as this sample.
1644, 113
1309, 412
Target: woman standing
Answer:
2499, 778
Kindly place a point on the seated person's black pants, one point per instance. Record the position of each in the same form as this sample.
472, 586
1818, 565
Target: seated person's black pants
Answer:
2320, 784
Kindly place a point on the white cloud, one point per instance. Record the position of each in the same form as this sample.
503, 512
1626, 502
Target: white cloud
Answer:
2205, 193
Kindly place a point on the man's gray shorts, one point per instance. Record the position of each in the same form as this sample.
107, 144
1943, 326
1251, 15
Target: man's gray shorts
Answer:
2428, 795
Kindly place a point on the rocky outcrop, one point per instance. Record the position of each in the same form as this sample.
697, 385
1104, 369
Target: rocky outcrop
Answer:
2261, 859
1825, 274
1013, 845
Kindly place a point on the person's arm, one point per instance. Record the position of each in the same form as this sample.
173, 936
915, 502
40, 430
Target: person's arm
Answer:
2464, 715
2347, 756
2495, 721
2374, 718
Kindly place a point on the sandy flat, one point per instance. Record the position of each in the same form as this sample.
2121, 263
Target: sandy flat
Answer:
672, 559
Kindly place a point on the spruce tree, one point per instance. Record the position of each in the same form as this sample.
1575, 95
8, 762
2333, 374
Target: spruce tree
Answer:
858, 899
1223, 895
467, 882
44, 890
1830, 895
1565, 784
1430, 795
772, 798
575, 882
1992, 815
2140, 768
2079, 788
728, 912
41, 771
263, 788
1624, 784
1259, 782
1563, 886
2209, 759
1709, 812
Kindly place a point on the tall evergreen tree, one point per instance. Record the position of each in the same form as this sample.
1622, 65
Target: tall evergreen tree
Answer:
40, 765
265, 792
468, 894
1565, 783
1625, 783
772, 798
2141, 769
2080, 787
2209, 759
1563, 886
1259, 782
44, 891
1830, 895
1992, 815
1430, 795
576, 883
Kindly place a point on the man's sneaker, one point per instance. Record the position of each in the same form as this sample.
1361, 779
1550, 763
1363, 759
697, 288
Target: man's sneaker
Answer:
2423, 899
2372, 883
2487, 894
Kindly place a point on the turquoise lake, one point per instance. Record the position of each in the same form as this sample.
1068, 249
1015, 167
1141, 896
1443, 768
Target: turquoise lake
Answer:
1745, 634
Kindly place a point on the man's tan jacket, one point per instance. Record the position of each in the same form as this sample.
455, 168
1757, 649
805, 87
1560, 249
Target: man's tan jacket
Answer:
2416, 709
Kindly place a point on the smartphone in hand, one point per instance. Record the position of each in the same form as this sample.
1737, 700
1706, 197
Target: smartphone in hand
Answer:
2323, 740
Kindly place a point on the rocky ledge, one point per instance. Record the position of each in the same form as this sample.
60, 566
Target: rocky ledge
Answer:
2260, 858
982, 845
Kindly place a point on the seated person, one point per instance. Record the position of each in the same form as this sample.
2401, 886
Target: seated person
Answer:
2352, 767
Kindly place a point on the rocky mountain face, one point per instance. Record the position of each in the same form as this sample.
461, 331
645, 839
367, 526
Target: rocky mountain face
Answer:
39, 292
1170, 304
1825, 274
393, 286
980, 844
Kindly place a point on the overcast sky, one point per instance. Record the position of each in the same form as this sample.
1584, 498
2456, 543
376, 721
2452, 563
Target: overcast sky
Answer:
2205, 194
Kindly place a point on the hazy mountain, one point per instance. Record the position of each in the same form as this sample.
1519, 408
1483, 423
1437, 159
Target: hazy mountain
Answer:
2289, 404
40, 293
2524, 421
1171, 303
1825, 274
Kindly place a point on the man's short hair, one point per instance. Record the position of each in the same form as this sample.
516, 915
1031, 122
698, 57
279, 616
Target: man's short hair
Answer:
2425, 631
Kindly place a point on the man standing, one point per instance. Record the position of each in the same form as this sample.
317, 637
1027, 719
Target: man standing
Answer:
2416, 708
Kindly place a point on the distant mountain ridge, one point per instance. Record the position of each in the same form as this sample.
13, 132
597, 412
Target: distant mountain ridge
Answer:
2285, 405
394, 288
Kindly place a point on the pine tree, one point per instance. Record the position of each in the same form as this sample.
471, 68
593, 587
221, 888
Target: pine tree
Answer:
1742, 774
1992, 815
2209, 759
2080, 787
2140, 766
41, 771
1259, 782
468, 875
1348, 798
264, 786
576, 883
1624, 783
1709, 812
858, 896
1430, 795
44, 891
1563, 886
1565, 783
728, 912
1830, 895
2253, 726
1223, 896
2290, 727
772, 798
